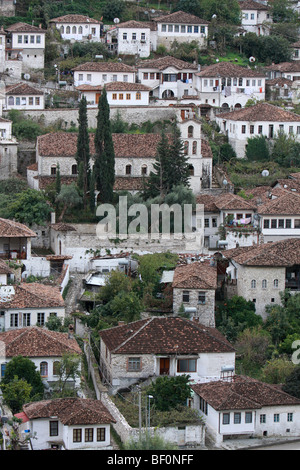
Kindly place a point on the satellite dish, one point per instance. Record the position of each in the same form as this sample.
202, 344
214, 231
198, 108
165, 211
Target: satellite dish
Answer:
265, 173
116, 20
225, 182
252, 59
217, 60
26, 76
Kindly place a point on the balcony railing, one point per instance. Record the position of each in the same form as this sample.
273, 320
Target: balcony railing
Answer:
13, 254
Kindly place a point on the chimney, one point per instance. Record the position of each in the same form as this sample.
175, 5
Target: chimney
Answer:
53, 217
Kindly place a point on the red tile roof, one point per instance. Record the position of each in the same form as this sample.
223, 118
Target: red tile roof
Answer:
261, 112
282, 254
24, 28
75, 19
4, 268
163, 62
229, 201
12, 229
161, 335
179, 17
104, 67
242, 393
196, 275
38, 342
252, 5
34, 295
70, 411
286, 204
228, 69
22, 89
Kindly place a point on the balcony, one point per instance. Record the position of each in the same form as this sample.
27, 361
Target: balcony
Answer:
13, 255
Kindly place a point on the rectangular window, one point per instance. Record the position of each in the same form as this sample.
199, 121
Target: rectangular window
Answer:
290, 417
30, 100
288, 223
260, 129
206, 223
201, 298
182, 29
89, 435
243, 129
41, 319
170, 28
125, 78
124, 36
164, 28
80, 77
121, 96
115, 78
196, 29
297, 223
104, 77
176, 28
89, 77
26, 39
281, 223
186, 365
185, 296
143, 37
128, 96
14, 320
38, 39
100, 434
77, 435
248, 417
240, 82
53, 428
276, 418
3, 367
273, 223
114, 96
134, 36
214, 222
138, 96
237, 418
226, 418
189, 29
134, 364
31, 39
266, 223
251, 129
202, 29
262, 419
20, 39
26, 319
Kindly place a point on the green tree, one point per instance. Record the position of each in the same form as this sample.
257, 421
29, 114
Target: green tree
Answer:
113, 9
70, 198
104, 166
147, 442
292, 383
286, 150
126, 306
277, 370
29, 207
116, 282
16, 393
23, 368
57, 180
225, 11
170, 392
67, 370
257, 149
282, 12
83, 149
158, 183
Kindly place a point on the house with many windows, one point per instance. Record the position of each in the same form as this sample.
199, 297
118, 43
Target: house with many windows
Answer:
118, 94
78, 28
260, 273
23, 97
67, 424
245, 407
130, 38
102, 73
261, 119
229, 86
162, 346
256, 17
181, 27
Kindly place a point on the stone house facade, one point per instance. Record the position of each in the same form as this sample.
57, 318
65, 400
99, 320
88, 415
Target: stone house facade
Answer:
162, 346
194, 289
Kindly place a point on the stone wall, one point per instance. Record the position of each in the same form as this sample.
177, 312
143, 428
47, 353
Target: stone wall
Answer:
205, 312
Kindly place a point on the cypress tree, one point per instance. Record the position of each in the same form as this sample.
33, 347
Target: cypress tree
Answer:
57, 180
157, 184
178, 166
104, 166
83, 149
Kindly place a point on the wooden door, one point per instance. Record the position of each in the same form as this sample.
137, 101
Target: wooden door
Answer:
164, 366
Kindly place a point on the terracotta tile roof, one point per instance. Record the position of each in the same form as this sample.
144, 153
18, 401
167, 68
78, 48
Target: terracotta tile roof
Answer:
34, 295
133, 24
74, 19
22, 89
228, 69
129, 183
115, 86
286, 204
242, 393
12, 229
208, 201
180, 17
70, 411
197, 275
288, 184
295, 175
279, 81
261, 112
33, 167
24, 28
296, 44
284, 67
282, 253
164, 62
260, 194
104, 67
161, 335
35, 341
229, 201
252, 5
4, 268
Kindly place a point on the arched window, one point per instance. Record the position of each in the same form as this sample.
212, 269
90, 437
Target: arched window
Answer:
62, 30
191, 170
190, 131
44, 369
194, 147
68, 30
264, 284
275, 283
186, 147
253, 284
144, 169
74, 169
11, 100
56, 367
74, 30
80, 30
128, 170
